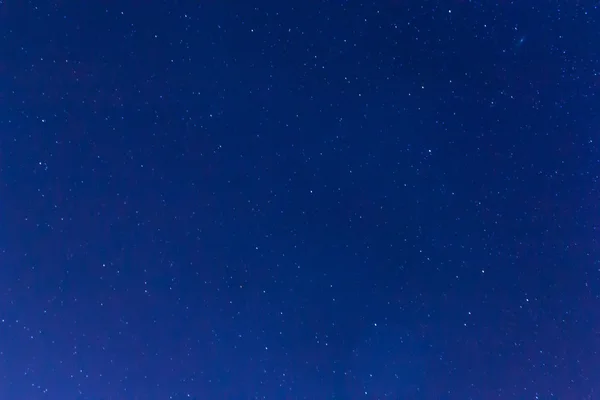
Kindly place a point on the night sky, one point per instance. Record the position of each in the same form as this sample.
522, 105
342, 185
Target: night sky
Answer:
330, 200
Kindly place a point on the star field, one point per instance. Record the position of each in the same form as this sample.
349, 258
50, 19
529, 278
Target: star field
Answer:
321, 200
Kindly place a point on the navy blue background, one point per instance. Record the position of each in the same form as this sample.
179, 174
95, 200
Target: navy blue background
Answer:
308, 200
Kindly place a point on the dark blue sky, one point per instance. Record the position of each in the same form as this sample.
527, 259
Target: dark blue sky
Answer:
309, 200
